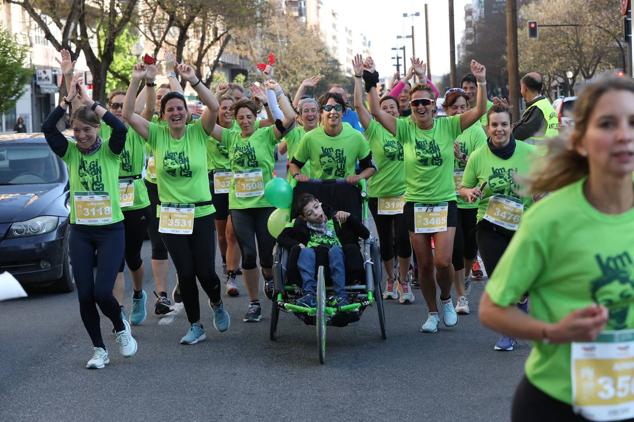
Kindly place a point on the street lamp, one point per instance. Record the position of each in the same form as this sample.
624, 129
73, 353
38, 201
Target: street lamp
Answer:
404, 64
398, 60
570, 74
411, 15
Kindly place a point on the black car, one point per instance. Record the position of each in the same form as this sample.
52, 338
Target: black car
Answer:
34, 213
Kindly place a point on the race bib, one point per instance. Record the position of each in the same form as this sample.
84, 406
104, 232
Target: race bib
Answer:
603, 376
176, 218
430, 218
249, 183
151, 168
504, 211
92, 208
222, 181
126, 193
457, 179
391, 205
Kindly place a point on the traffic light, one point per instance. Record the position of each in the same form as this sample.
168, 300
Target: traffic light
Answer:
532, 29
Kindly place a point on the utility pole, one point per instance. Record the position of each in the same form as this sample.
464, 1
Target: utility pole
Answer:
452, 46
398, 61
512, 55
427, 42
413, 43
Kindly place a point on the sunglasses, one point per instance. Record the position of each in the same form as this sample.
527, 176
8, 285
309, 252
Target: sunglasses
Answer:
116, 106
329, 107
422, 101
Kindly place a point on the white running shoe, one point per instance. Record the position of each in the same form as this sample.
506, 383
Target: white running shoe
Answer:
406, 296
462, 306
431, 325
127, 343
391, 291
99, 359
449, 315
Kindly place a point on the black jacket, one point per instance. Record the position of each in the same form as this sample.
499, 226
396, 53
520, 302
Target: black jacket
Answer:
347, 233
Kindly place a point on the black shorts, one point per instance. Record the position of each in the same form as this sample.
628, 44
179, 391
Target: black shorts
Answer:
452, 215
220, 200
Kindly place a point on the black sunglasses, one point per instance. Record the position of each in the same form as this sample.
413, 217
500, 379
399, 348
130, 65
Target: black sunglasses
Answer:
421, 101
116, 106
330, 107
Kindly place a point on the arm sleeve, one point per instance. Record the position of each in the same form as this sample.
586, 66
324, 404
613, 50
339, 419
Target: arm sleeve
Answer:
433, 87
530, 125
366, 162
54, 138
276, 111
398, 88
118, 135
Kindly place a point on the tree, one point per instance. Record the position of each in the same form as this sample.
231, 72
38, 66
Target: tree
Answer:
122, 62
13, 75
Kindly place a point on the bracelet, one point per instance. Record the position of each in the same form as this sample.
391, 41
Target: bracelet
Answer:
94, 105
150, 84
358, 76
171, 75
196, 84
66, 101
482, 83
265, 104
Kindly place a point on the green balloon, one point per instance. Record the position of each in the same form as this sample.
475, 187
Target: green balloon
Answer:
279, 193
278, 220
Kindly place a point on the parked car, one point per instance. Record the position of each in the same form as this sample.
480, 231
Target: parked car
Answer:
564, 109
34, 213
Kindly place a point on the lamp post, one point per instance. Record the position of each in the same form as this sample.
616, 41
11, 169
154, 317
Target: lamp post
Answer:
398, 61
427, 42
404, 65
411, 15
569, 75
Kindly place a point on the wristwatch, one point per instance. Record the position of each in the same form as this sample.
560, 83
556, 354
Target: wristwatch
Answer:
94, 105
150, 83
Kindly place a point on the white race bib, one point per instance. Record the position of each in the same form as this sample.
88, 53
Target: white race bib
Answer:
151, 168
92, 208
391, 205
176, 218
222, 181
249, 183
430, 218
126, 193
504, 211
603, 376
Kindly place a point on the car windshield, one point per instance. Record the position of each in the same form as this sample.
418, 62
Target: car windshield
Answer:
22, 164
568, 108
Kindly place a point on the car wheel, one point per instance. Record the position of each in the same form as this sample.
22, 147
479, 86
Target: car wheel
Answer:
65, 284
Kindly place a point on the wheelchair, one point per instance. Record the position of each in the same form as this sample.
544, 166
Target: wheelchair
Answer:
363, 270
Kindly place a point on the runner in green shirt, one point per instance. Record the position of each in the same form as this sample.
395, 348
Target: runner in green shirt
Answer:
574, 255
386, 189
430, 193
251, 158
308, 120
465, 249
186, 212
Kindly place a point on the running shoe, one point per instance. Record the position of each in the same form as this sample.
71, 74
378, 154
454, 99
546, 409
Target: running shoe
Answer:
449, 315
308, 300
462, 306
99, 359
163, 306
391, 291
406, 296
195, 334
431, 325
337, 301
139, 312
222, 320
176, 294
476, 271
230, 285
505, 344
238, 271
254, 313
127, 343
523, 305
467, 286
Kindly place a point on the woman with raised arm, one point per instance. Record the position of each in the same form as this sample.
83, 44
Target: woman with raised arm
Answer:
430, 193
186, 210
308, 120
96, 227
252, 160
385, 190
574, 255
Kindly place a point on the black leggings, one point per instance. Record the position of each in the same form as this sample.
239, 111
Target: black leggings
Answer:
464, 244
106, 243
492, 242
531, 404
136, 224
392, 232
194, 256
159, 251
249, 224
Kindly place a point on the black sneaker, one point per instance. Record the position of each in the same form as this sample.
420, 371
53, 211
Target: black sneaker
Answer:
254, 313
238, 271
162, 306
176, 294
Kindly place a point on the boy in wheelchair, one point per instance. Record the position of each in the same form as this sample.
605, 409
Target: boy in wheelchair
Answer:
318, 231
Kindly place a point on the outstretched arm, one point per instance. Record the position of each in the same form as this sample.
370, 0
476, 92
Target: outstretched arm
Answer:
364, 115
306, 83
208, 119
387, 120
471, 116
138, 123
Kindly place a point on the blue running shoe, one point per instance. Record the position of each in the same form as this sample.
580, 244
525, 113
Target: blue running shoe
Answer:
139, 312
308, 300
222, 320
194, 335
505, 344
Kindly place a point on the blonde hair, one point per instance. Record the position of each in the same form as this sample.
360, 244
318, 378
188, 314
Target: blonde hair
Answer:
563, 164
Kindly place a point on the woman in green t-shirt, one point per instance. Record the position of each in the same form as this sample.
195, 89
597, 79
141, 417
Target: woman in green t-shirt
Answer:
430, 193
465, 248
308, 120
186, 211
574, 255
490, 179
252, 160
385, 190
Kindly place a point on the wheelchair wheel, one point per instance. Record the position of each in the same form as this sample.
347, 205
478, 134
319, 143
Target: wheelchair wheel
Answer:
378, 297
275, 315
320, 318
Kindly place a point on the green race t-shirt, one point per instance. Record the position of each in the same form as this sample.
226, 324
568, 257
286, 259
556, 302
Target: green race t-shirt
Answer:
132, 162
293, 138
469, 141
429, 159
96, 172
332, 157
387, 153
254, 152
150, 165
181, 166
567, 255
484, 166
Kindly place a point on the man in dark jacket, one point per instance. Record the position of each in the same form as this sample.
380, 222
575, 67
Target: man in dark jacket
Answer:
316, 229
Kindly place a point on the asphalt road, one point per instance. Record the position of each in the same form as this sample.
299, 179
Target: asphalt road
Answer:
453, 375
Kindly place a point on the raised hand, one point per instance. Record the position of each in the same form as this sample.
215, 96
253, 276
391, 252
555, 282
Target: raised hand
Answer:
170, 61
274, 86
66, 63
187, 72
369, 65
312, 81
497, 101
420, 68
258, 93
150, 72
479, 71
73, 91
138, 71
84, 98
357, 65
